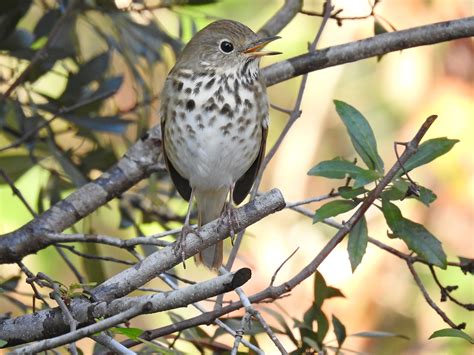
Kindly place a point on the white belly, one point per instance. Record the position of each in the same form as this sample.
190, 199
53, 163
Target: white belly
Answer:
219, 139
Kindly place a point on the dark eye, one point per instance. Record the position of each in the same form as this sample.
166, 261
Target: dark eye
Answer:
226, 46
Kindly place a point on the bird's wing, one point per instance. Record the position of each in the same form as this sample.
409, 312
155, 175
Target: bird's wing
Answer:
181, 183
244, 184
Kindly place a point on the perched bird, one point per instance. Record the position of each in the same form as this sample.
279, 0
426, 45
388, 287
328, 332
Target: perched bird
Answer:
214, 120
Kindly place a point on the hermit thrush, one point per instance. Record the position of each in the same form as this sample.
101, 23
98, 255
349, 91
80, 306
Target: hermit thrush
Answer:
214, 120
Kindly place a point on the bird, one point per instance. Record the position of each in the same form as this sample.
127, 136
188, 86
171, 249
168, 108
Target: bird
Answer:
214, 122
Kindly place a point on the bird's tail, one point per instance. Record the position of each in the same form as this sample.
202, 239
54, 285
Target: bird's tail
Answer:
210, 205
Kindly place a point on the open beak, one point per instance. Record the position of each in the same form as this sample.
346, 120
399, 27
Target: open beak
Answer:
254, 49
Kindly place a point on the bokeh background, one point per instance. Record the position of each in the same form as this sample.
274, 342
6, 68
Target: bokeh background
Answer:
395, 94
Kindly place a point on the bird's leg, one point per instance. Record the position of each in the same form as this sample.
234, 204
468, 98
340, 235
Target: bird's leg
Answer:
181, 242
229, 212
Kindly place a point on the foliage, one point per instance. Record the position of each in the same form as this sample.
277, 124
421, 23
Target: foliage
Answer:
416, 236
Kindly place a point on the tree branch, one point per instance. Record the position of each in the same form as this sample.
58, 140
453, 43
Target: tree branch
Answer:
367, 48
50, 323
282, 18
143, 158
47, 323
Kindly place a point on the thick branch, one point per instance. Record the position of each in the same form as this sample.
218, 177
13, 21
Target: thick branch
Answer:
367, 48
143, 158
164, 259
282, 18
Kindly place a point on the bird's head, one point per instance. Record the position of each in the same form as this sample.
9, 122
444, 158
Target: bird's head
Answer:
223, 45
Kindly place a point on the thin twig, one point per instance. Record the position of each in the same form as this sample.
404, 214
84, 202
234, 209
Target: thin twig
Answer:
104, 239
56, 295
252, 311
218, 322
312, 199
428, 299
296, 112
239, 333
281, 265
17, 192
31, 281
445, 292
73, 250
112, 344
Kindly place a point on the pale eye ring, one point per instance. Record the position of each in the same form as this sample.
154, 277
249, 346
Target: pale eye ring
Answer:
226, 46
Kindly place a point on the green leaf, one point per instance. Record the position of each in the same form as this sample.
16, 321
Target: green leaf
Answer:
39, 43
398, 190
429, 151
112, 124
335, 169
46, 23
378, 334
15, 165
311, 343
452, 333
315, 314
426, 196
348, 192
322, 291
339, 169
365, 177
391, 213
9, 284
69, 167
253, 341
333, 208
323, 326
3, 343
339, 330
131, 333
92, 70
415, 235
378, 27
361, 134
358, 239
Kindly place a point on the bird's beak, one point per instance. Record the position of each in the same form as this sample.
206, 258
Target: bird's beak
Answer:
254, 50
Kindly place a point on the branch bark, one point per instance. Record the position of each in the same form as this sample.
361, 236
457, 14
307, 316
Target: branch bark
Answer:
282, 18
367, 48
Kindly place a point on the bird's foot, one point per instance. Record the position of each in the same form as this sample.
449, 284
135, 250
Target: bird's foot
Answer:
180, 245
229, 212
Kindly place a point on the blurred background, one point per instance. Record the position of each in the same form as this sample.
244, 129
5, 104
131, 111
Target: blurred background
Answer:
395, 94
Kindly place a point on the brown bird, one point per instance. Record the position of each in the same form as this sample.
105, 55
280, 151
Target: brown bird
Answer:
214, 120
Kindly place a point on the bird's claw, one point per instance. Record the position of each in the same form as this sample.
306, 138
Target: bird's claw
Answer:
230, 214
180, 245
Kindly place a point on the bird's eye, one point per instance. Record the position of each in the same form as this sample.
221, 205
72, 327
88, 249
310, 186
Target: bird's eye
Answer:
226, 46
